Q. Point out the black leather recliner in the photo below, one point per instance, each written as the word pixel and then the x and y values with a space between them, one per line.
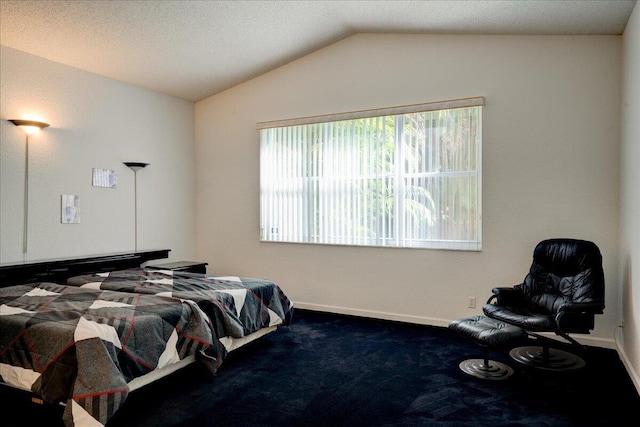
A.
pixel 562 293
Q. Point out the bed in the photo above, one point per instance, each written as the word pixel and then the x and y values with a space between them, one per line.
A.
pixel 83 347
pixel 234 310
pixel 239 307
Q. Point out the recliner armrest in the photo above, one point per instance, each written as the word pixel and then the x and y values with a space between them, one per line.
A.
pixel 577 317
pixel 582 307
pixel 506 296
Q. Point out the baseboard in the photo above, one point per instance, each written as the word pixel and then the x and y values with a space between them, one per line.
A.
pixel 431 321
pixel 635 378
pixel 421 320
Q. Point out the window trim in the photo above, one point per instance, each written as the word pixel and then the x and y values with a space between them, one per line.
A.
pixel 478 101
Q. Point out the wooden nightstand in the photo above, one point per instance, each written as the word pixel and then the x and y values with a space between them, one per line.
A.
pixel 187 266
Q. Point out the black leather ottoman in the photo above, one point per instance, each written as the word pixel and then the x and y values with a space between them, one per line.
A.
pixel 487 333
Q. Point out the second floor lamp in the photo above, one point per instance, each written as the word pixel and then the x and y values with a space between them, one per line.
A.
pixel 135 167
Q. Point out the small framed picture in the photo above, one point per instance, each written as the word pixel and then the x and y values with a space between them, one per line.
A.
pixel 70 209
pixel 104 178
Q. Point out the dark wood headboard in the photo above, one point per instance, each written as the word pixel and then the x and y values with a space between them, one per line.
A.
pixel 59 270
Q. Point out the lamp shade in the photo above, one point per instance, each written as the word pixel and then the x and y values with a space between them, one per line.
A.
pixel 29 126
pixel 136 166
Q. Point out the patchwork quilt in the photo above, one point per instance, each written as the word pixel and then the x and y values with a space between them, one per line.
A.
pixel 236 306
pixel 82 346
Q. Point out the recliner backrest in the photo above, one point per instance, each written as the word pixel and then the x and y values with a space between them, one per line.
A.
pixel 564 271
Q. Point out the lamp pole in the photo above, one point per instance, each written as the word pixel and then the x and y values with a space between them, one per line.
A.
pixel 29 127
pixel 135 167
pixel 26 197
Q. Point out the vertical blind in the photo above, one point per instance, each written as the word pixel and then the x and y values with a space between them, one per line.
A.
pixel 397 177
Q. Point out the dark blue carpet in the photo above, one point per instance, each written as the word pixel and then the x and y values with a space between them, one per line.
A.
pixel 332 370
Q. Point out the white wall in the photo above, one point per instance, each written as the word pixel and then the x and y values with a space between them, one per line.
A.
pixel 630 197
pixel 550 161
pixel 95 122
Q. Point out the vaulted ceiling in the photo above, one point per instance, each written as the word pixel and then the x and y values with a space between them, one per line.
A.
pixel 195 49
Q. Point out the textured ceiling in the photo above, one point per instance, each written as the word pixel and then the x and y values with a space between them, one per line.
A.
pixel 195 49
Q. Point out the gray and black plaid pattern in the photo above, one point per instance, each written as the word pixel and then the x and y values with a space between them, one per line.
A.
pixel 82 345
pixel 236 308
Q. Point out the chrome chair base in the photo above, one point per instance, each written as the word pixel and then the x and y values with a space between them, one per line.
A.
pixel 546 358
pixel 486 369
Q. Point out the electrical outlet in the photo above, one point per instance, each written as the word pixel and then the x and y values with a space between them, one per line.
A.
pixel 472 302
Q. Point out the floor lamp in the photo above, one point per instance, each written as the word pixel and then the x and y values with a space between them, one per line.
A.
pixel 29 127
pixel 135 167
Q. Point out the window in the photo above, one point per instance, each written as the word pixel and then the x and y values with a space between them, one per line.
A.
pixel 398 177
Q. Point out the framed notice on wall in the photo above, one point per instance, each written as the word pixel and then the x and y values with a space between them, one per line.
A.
pixel 104 178
pixel 70 209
